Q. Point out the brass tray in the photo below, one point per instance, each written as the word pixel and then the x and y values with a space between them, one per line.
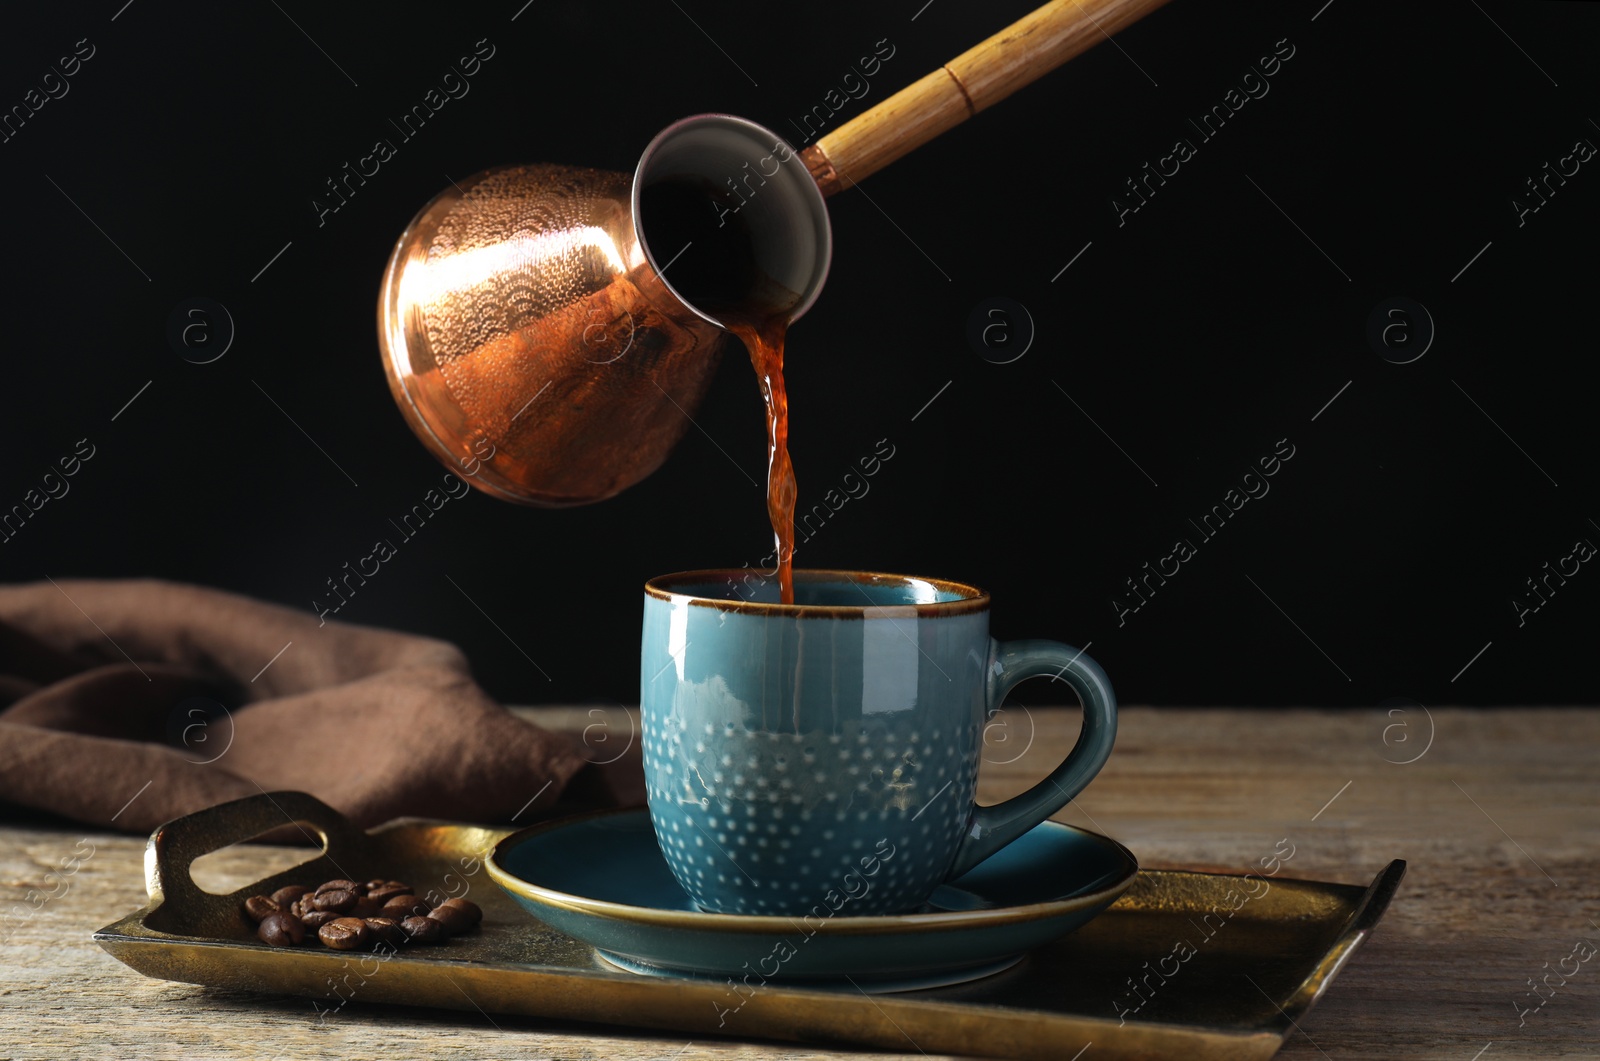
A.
pixel 1247 977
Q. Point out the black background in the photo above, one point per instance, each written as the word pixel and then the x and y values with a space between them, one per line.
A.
pixel 1196 335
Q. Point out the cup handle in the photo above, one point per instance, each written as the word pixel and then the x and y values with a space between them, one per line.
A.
pixel 991 828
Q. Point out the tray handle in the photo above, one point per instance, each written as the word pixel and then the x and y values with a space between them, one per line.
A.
pixel 1363 919
pixel 175 846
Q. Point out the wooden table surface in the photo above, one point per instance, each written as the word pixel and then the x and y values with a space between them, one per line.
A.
pixel 1498 816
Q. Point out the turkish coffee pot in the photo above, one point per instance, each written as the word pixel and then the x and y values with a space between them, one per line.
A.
pixel 531 331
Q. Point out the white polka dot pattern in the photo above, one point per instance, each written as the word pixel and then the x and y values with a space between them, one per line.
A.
pixel 761 822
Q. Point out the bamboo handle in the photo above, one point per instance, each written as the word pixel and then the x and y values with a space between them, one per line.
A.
pixel 977 78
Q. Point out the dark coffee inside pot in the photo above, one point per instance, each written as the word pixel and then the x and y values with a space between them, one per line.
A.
pixel 708 257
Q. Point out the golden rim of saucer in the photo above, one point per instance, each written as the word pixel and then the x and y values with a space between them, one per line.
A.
pixel 833 924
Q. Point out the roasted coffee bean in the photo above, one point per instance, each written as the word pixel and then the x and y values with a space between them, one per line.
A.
pixel 386 930
pixel 384 890
pixel 366 906
pixel 336 899
pixel 454 921
pixel 341 886
pixel 462 911
pixel 257 907
pixel 281 929
pixel 345 933
pixel 315 919
pixel 287 894
pixel 403 906
pixel 423 929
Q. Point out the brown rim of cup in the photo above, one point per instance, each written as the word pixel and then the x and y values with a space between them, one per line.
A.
pixel 969 598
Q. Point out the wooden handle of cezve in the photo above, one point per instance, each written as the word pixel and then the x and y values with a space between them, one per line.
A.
pixel 978 78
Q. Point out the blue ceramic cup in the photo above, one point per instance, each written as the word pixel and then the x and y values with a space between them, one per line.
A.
pixel 822 757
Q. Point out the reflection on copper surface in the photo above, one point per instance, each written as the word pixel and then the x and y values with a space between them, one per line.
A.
pixel 463 272
pixel 530 344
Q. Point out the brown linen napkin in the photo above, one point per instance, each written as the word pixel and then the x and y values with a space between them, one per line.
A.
pixel 109 714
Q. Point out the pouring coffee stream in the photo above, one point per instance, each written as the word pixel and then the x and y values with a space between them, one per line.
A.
pixel 716 271
pixel 548 331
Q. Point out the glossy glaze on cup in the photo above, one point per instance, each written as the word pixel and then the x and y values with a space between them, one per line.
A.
pixel 822 756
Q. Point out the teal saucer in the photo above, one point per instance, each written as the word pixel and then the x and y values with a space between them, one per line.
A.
pixel 601 879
